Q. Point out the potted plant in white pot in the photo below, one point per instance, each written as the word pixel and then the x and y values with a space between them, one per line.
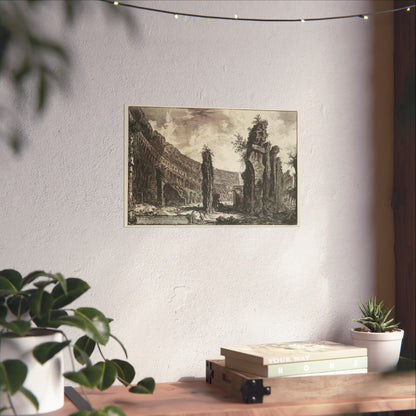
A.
pixel 380 335
pixel 34 310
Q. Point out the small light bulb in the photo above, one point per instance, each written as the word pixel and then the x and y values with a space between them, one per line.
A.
pixel 115 3
pixel 236 16
pixel 365 17
pixel 408 9
pixel 302 20
pixel 176 16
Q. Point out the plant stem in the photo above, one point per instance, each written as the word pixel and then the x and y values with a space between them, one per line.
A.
pixel 73 369
pixel 11 404
pixel 19 310
pixel 101 353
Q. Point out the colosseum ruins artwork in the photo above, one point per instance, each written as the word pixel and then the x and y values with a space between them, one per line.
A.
pixel 210 166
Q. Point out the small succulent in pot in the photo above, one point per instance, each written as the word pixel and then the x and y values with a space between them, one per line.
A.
pixel 381 335
pixel 375 317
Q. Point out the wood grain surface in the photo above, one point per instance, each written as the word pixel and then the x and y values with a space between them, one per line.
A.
pixel 300 396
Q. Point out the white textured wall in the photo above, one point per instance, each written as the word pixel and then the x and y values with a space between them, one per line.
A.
pixel 178 294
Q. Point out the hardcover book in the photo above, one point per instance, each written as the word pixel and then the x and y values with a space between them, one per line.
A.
pixel 315 367
pixel 292 352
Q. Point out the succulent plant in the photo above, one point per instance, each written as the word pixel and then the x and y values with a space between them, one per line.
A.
pixel 375 318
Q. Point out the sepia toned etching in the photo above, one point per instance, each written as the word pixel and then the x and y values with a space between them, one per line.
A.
pixel 210 166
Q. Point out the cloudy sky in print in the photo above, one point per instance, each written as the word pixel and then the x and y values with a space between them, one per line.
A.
pixel 189 129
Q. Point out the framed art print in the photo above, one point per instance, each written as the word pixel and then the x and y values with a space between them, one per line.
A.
pixel 210 166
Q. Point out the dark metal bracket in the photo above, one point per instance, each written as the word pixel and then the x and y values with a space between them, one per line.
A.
pixel 209 372
pixel 253 391
pixel 77 399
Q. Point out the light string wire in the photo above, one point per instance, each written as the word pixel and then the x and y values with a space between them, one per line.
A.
pixel 249 19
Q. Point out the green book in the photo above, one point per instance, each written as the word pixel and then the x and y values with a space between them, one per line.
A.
pixel 338 365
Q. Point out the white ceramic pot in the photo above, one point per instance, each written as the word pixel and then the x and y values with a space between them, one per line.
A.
pixel 383 348
pixel 44 381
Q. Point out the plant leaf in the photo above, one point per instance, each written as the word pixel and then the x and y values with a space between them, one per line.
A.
pixel 88 376
pixel 75 288
pixel 18 305
pixel 110 411
pixel 389 312
pixel 6 287
pixel 83 413
pixel 13 276
pixel 19 327
pixel 83 349
pixel 44 283
pixel 62 281
pixel 30 396
pixel 33 276
pixel 75 321
pixel 82 356
pixel 40 304
pixel 105 411
pixel 108 374
pixel 98 328
pixel 12 375
pixel 375 318
pixel 45 351
pixel 125 371
pixel 94 326
pixel 55 277
pixel 3 312
pixel 55 316
pixel 145 386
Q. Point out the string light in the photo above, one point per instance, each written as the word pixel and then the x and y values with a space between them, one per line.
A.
pixel 249 19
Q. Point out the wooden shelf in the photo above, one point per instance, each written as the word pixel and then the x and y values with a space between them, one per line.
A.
pixel 198 398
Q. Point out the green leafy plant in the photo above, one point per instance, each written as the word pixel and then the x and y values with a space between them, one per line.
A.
pixel 41 300
pixel 375 317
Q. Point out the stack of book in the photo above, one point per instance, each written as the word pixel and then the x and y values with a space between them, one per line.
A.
pixel 296 359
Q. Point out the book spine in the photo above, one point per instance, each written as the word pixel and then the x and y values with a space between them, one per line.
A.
pixel 309 367
pixel 314 356
pixel 313 367
pixel 333 373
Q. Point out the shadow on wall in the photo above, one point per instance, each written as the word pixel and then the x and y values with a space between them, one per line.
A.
pixel 42 63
